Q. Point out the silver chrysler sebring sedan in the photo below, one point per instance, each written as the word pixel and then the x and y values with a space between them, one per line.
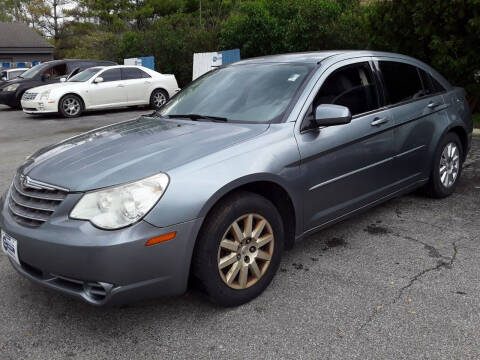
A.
pixel 238 166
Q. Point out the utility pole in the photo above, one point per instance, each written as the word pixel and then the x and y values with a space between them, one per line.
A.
pixel 200 13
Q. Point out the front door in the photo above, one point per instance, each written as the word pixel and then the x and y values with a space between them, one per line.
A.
pixel 111 92
pixel 346 166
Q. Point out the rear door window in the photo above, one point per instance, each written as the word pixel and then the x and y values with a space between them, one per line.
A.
pixel 352 86
pixel 402 81
pixel 144 74
pixel 131 73
pixel 430 85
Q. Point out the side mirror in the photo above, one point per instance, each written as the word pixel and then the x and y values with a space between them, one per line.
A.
pixel 63 79
pixel 4 78
pixel 330 115
pixel 98 79
pixel 46 77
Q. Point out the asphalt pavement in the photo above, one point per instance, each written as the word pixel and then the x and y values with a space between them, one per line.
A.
pixel 400 281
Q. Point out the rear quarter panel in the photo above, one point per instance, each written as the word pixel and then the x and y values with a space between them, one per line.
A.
pixel 459 112
pixel 166 82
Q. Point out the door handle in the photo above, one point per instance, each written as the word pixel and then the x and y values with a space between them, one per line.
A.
pixel 433 105
pixel 120 85
pixel 379 121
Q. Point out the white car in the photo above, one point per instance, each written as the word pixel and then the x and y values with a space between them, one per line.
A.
pixel 9 74
pixel 101 87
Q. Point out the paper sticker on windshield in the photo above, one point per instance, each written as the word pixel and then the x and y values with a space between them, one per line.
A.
pixel 293 77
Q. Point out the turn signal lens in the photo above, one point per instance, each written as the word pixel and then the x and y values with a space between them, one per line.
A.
pixel 161 238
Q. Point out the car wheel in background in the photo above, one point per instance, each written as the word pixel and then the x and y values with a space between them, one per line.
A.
pixel 158 98
pixel 447 167
pixel 18 103
pixel 70 106
pixel 239 248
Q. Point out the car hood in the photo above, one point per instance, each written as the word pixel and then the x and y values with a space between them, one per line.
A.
pixel 4 83
pixel 16 81
pixel 131 150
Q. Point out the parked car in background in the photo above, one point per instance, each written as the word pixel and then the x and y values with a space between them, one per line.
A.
pixel 101 88
pixel 242 163
pixel 42 74
pixel 9 74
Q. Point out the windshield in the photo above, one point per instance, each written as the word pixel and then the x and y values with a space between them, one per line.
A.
pixel 34 71
pixel 246 93
pixel 85 75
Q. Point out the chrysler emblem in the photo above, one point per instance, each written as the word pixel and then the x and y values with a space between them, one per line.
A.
pixel 23 180
pixel 27 182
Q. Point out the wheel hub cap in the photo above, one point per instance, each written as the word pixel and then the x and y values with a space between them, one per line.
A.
pixel 159 99
pixel 245 251
pixel 449 164
pixel 71 106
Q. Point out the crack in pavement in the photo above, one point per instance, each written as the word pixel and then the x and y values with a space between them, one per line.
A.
pixel 439 265
pixel 416 277
pixel 432 250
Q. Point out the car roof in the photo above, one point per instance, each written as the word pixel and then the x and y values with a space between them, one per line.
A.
pixel 317 57
pixel 78 60
pixel 16 69
pixel 126 66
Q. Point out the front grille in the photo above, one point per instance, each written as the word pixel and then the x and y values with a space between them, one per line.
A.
pixel 31 203
pixel 29 96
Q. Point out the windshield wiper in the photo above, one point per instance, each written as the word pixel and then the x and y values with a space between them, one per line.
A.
pixel 196 117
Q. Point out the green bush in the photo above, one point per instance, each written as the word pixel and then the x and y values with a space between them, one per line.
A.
pixel 476 120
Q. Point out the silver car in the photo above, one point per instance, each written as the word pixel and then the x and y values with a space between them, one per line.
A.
pixel 238 166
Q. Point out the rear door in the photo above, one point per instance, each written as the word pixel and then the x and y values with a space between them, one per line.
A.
pixel 109 93
pixel 347 166
pixel 137 84
pixel 418 109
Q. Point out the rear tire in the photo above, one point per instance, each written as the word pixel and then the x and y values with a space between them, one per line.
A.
pixel 447 167
pixel 70 106
pixel 158 98
pixel 232 263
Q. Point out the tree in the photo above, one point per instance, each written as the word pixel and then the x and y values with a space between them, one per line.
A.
pixel 48 16
pixel 13 11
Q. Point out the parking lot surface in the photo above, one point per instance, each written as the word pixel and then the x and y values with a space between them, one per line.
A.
pixel 400 281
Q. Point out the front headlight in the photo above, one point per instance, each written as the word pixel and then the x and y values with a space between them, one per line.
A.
pixel 45 95
pixel 12 87
pixel 122 205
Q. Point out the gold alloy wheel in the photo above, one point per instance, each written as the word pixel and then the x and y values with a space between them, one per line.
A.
pixel 245 251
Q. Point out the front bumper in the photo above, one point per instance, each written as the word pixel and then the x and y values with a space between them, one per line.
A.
pixel 98 266
pixel 39 106
pixel 8 98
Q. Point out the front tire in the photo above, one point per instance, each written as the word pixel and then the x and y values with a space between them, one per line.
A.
pixel 239 249
pixel 70 106
pixel 447 167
